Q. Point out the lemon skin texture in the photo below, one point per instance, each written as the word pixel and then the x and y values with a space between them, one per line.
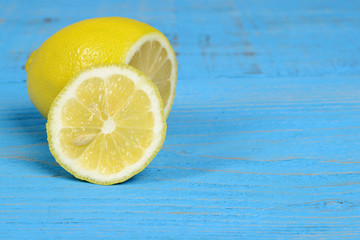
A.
pixel 83 44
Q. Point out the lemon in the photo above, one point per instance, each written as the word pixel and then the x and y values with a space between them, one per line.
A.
pixel 106 124
pixel 108 40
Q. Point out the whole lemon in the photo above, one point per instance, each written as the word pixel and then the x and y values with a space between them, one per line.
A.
pixel 108 40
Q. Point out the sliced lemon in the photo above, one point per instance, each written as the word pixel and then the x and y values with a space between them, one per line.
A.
pixel 107 124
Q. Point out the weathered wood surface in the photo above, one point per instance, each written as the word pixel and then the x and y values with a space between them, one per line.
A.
pixel 262 143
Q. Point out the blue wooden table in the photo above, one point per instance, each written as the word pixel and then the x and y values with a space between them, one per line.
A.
pixel 263 141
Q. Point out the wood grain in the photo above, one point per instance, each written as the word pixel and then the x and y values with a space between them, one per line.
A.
pixel 262 142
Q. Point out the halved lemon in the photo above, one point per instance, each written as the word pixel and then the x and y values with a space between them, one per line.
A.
pixel 98 41
pixel 107 124
pixel 153 55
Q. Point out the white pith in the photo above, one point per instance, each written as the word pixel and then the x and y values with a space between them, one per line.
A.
pixel 109 126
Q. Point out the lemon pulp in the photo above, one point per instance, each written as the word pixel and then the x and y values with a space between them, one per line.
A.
pixel 153 59
pixel 107 124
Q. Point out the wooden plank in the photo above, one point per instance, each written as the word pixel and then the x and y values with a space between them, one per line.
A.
pixel 262 141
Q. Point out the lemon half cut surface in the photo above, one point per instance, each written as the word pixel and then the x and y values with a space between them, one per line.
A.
pixel 107 124
pixel 98 41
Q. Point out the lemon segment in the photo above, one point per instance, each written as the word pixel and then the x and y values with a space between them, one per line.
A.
pixel 107 124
